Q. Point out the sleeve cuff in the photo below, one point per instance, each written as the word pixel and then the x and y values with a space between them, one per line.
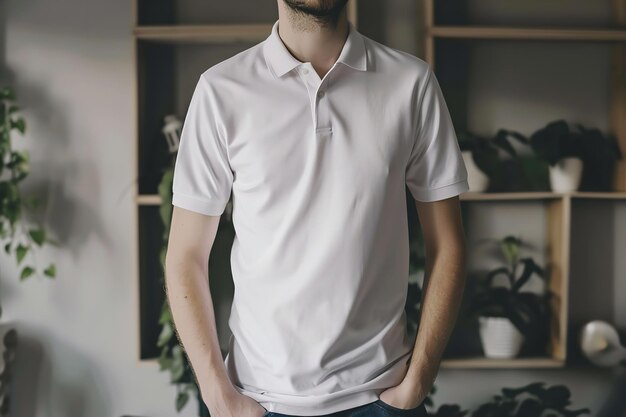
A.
pixel 439 193
pixel 199 205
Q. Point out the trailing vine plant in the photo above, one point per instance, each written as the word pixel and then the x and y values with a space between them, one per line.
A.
pixel 18 237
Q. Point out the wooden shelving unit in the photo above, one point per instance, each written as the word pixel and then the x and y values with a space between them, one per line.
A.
pixel 160 39
pixel 558 206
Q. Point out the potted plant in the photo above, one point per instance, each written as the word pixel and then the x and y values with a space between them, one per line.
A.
pixel 532 400
pixel 555 144
pixel 578 159
pixel 479 156
pixel 506 314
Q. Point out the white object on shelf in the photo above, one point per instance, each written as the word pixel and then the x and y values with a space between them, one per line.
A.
pixel 477 179
pixel 566 174
pixel 499 336
pixel 172 130
pixel 600 342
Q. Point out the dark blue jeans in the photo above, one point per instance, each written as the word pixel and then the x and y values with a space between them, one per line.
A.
pixel 373 409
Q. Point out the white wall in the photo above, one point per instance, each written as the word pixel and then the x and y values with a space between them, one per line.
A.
pixel 71 64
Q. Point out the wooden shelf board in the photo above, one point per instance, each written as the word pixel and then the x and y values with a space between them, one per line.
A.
pixel 617 195
pixel 148 200
pixel 155 199
pixel 482 362
pixel 521 33
pixel 530 195
pixel 540 195
pixel 227 33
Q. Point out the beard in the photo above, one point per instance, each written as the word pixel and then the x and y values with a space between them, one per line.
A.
pixel 323 12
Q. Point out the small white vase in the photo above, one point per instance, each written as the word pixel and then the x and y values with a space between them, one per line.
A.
pixel 566 174
pixel 499 336
pixel 476 179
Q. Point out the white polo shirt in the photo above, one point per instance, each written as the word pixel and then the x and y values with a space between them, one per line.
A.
pixel 317 168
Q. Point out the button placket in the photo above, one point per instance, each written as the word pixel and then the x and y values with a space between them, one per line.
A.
pixel 316 89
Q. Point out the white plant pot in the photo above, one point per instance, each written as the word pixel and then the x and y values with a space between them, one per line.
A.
pixel 477 179
pixel 499 337
pixel 566 174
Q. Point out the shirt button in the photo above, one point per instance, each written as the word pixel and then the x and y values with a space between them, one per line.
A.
pixel 321 94
pixel 305 71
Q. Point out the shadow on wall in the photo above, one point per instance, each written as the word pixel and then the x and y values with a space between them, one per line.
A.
pixel 73 390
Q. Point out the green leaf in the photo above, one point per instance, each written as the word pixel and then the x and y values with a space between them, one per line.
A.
pixel 178 363
pixel 7 93
pixel 7 247
pixel 21 252
pixel 166 334
pixel 50 271
pixel 26 272
pixel 38 235
pixel 19 124
pixel 181 400
pixel 166 314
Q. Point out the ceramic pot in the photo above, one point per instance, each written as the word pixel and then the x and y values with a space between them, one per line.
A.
pixel 566 174
pixel 499 337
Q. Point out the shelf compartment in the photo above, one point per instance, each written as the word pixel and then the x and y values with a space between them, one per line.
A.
pixel 582 13
pixel 547 219
pixel 169 12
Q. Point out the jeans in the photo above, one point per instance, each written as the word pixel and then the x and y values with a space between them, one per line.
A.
pixel 373 409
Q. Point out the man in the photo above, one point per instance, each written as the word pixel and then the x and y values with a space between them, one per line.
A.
pixel 317 131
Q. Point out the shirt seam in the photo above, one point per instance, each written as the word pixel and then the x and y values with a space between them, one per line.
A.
pixel 456 181
pixel 200 199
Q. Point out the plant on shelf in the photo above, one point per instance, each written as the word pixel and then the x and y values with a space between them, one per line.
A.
pixel 497 158
pixel 532 400
pixel 19 238
pixel 480 157
pixel 506 314
pixel 578 159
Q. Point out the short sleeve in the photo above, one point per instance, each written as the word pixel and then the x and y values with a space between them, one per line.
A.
pixel 203 177
pixel 435 169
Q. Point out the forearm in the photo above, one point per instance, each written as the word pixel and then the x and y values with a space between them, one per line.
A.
pixel 191 304
pixel 443 289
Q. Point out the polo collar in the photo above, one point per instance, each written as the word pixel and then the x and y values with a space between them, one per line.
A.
pixel 282 61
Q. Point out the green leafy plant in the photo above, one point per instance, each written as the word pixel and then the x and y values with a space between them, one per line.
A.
pixel 599 152
pixel 526 310
pixel 19 238
pixel 484 150
pixel 507 169
pixel 532 400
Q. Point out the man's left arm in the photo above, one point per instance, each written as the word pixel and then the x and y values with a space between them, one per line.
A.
pixel 443 287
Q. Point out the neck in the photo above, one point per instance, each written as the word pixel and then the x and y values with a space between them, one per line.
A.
pixel 308 40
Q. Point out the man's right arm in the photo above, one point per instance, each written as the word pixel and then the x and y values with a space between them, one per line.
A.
pixel 186 277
